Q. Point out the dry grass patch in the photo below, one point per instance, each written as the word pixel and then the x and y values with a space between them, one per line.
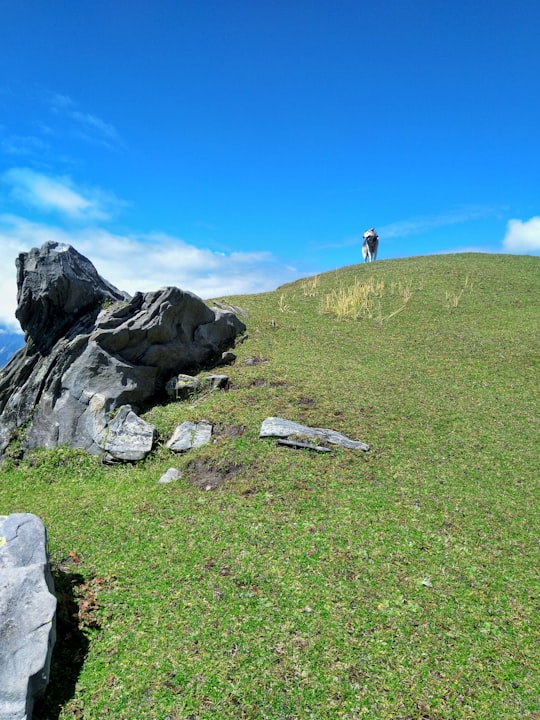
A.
pixel 366 300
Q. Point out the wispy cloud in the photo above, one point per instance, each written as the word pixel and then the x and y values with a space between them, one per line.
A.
pixel 141 262
pixel 23 145
pixel 58 194
pixel 84 125
pixel 420 224
pixel 522 236
pixel 55 119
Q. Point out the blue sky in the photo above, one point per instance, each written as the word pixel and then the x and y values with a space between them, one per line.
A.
pixel 228 147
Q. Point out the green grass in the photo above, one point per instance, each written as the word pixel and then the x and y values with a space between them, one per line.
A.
pixel 402 583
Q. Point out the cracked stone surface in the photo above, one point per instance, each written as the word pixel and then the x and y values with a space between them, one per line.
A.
pixel 27 614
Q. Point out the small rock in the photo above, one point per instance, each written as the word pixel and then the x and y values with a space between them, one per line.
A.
pixel 227 358
pixel 215 381
pixel 190 435
pixel 250 361
pixel 171 475
pixel 182 386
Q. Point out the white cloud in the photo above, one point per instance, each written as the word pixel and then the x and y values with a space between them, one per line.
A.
pixel 522 236
pixel 140 262
pixel 57 194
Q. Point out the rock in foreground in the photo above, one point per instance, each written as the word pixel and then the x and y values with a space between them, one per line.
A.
pixel 90 349
pixel 27 615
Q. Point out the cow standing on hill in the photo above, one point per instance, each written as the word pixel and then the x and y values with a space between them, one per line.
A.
pixel 370 245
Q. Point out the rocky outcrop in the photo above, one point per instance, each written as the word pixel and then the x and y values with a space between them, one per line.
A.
pixel 27 614
pixel 90 349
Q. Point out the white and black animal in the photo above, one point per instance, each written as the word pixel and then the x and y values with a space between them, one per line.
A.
pixel 370 245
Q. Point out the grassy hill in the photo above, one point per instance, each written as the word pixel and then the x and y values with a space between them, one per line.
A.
pixel 399 583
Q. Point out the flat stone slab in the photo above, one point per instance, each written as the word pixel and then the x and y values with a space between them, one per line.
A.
pixel 27 614
pixel 127 437
pixel 190 435
pixel 281 428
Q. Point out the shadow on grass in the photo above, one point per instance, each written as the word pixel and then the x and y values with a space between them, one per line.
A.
pixel 70 649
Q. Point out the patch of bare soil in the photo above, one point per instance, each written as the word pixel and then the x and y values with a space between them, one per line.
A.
pixel 260 382
pixel 257 382
pixel 255 360
pixel 206 476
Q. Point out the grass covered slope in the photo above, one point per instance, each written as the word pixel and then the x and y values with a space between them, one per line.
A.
pixel 401 583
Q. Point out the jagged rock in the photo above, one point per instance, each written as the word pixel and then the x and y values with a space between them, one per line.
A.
pixel 278 427
pixel 27 614
pixel 170 475
pixel 190 435
pixel 56 286
pixel 91 349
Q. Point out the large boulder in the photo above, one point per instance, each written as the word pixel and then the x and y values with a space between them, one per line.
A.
pixel 91 349
pixel 27 614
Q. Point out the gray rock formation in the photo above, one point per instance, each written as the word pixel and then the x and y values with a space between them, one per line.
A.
pixel 91 349
pixel 27 614
pixel 281 428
